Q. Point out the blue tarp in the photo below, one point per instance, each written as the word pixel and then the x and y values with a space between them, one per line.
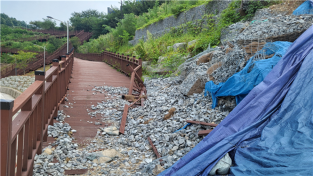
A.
pixel 241 83
pixel 269 133
pixel 304 8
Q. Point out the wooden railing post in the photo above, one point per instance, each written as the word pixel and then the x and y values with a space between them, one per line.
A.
pixel 40 76
pixel 139 72
pixel 6 135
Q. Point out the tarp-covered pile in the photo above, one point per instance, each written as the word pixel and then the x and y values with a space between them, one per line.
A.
pixel 304 8
pixel 270 132
pixel 241 83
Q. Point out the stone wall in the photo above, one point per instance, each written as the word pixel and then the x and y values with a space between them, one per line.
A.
pixel 7 90
pixel 161 27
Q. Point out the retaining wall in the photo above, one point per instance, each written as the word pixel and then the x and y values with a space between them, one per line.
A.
pixel 7 90
pixel 163 26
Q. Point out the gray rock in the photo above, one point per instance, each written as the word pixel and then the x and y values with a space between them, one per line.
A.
pixel 179 46
pixel 194 83
pixel 191 43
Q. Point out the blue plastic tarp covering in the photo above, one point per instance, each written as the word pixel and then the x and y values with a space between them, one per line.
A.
pixel 304 8
pixel 263 112
pixel 241 83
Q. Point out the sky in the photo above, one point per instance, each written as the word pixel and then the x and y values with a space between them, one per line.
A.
pixel 37 10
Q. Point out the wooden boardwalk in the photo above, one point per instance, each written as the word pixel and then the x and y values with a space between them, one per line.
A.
pixel 86 75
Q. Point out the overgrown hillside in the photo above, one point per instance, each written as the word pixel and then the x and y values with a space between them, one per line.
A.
pixel 155 48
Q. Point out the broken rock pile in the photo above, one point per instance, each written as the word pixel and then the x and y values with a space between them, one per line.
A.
pixel 137 156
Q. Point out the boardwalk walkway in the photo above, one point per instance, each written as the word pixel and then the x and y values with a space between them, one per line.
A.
pixel 86 75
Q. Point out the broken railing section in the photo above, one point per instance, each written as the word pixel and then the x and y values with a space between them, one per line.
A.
pixel 22 138
pixel 136 88
pixel 203 132
pixel 155 150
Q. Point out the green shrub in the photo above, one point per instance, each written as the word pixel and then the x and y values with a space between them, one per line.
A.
pixel 75 42
pixel 140 50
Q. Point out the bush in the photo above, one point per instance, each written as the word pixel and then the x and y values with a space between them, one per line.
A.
pixel 75 42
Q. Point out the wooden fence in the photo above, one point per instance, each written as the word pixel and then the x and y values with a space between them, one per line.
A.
pixel 22 138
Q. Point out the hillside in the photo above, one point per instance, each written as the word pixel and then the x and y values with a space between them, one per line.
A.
pixel 226 85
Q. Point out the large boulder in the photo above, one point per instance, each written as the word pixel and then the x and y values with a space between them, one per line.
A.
pixel 160 59
pixel 191 43
pixel 106 156
pixel 205 58
pixel 145 64
pixel 159 69
pixel 194 83
pixel 213 68
pixel 112 130
pixel 179 46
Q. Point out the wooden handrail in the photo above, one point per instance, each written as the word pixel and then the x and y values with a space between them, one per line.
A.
pixel 38 104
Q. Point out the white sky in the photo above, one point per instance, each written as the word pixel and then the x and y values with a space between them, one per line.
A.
pixel 36 10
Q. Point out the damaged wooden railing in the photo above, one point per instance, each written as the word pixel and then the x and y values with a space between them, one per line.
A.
pixel 23 136
pixel 136 88
pixel 128 65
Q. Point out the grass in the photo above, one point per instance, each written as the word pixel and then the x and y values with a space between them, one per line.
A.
pixel 32 73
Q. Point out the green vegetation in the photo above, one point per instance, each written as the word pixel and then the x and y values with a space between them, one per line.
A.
pixel 7 58
pixel 23 58
pixel 12 38
pixel 75 42
pixel 205 31
pixel 48 24
pixel 54 43
pixel 51 45
pixel 9 33
pixel 94 21
pixel 169 8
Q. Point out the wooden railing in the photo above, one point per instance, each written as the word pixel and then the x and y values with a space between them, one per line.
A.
pixel 54 32
pixel 122 63
pixel 22 138
pixel 42 38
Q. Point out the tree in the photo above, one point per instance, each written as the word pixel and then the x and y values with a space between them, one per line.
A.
pixel 63 27
pixel 45 24
pixel 23 58
pixel 85 19
pixel 9 21
pixel 48 24
pixel 96 22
